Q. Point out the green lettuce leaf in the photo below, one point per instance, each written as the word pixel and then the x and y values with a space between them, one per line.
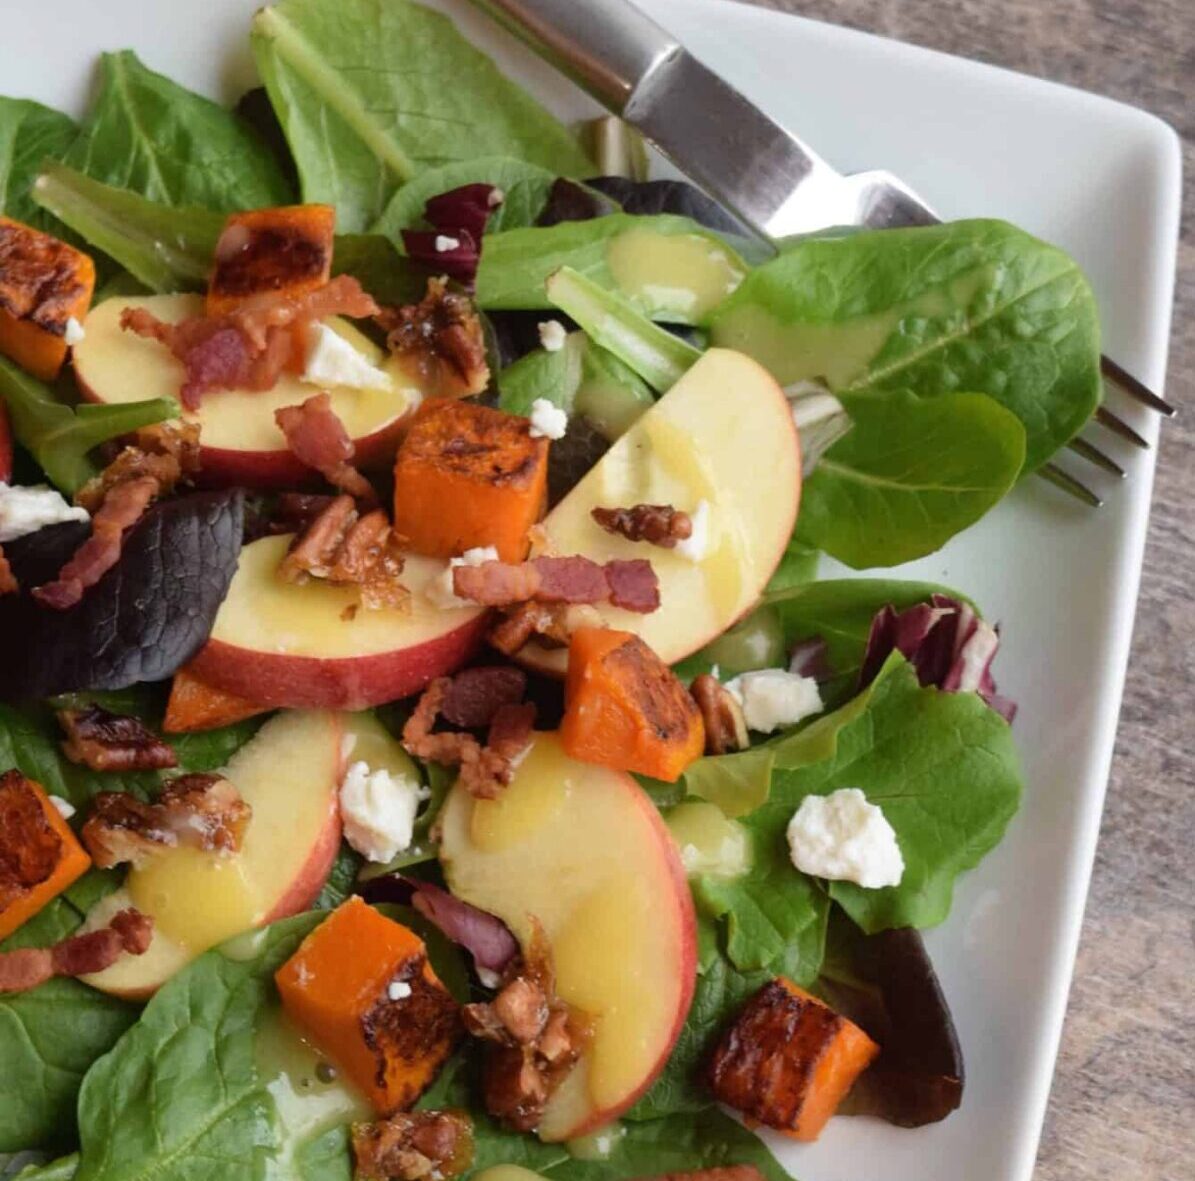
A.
pixel 29 133
pixel 371 92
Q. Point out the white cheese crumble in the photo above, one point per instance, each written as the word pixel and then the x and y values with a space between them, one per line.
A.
pixel 552 335
pixel 332 361
pixel 444 243
pixel 64 808
pixel 378 810
pixel 548 421
pixel 488 977
pixel 495 198
pixel 26 509
pixel 74 331
pixel 398 990
pixel 844 838
pixel 439 590
pixel 774 698
pixel 697 544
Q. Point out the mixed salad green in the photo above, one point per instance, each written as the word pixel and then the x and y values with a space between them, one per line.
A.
pixel 958 359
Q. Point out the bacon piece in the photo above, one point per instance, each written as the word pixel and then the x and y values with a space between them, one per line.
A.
pixel 8 580
pixel 725 726
pixel 413 1146
pixel 575 579
pixel 105 741
pixel 440 340
pixel 250 347
pixel 123 507
pixel 129 931
pixel 317 438
pixel 345 549
pixel 657 524
pixel 476 694
pixel 200 811
pixel 167 452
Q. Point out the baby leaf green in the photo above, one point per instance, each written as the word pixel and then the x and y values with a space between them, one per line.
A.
pixel 29 133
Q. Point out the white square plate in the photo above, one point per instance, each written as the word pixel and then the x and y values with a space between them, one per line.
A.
pixel 1098 178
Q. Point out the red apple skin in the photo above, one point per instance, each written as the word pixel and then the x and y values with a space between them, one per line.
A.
pixel 361 682
pixel 305 889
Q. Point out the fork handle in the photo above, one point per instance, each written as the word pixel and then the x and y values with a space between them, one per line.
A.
pixel 608 47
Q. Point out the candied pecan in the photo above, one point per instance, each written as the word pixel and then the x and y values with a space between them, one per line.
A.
pixel 547 621
pixel 201 811
pixel 413 1146
pixel 8 580
pixel 657 524
pixel 346 549
pixel 725 726
pixel 441 340
pixel 167 452
pixel 105 741
pixel 30 849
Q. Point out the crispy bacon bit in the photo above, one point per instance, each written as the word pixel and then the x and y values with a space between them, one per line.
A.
pixel 104 741
pixel 631 585
pixel 485 770
pixel 346 549
pixel 476 694
pixel 167 452
pixel 440 340
pixel 725 726
pixel 29 848
pixel 414 1146
pixel 317 438
pixel 250 347
pixel 128 931
pixel 657 524
pixel 200 811
pixel 8 580
pixel 534 1038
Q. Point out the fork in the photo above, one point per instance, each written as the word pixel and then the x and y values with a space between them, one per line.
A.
pixel 772 181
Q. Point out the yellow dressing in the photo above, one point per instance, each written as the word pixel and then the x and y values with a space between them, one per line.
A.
pixel 709 842
pixel 687 274
pixel 516 817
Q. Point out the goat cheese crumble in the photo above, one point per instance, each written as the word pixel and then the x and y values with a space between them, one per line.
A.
pixel 332 361
pixel 445 243
pixel 845 838
pixel 26 509
pixel 64 808
pixel 398 990
pixel 774 698
pixel 697 544
pixel 439 590
pixel 378 810
pixel 552 335
pixel 547 420
pixel 74 331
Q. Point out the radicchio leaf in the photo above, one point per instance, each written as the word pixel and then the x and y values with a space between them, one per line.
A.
pixel 458 216
pixel 947 644
pixel 483 935
pixel 810 658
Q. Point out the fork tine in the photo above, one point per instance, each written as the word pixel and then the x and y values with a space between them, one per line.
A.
pixel 1118 426
pixel 1094 455
pixel 1125 381
pixel 1068 483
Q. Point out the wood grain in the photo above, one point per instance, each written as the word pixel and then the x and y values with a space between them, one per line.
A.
pixel 1123 1100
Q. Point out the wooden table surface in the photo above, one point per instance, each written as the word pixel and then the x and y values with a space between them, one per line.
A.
pixel 1122 1106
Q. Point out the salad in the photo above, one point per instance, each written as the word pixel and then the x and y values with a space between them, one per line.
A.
pixel 427 747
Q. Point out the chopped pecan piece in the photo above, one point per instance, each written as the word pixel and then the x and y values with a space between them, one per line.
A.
pixel 520 623
pixel 167 452
pixel 657 524
pixel 29 848
pixel 201 811
pixel 440 340
pixel 128 932
pixel 318 439
pixel 533 1039
pixel 8 580
pixel 414 1146
pixel 105 741
pixel 347 549
pixel 725 726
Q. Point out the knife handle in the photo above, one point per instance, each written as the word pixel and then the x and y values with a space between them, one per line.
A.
pixel 608 47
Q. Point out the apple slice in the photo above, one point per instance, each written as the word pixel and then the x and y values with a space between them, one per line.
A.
pixel 289 773
pixel 584 850
pixel 240 441
pixel 723 435
pixel 309 646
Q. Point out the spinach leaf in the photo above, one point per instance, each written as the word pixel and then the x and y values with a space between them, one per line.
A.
pixel 60 437
pixel 29 133
pixel 797 567
pixel 370 92
pixel 341 879
pixel 736 783
pixel 972 305
pixel 62 1169
pixel 150 135
pixel 687 272
pixel 910 474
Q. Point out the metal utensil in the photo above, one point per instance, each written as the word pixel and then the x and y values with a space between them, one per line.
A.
pixel 775 183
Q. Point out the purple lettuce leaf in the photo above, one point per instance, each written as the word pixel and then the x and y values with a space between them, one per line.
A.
pixel 460 216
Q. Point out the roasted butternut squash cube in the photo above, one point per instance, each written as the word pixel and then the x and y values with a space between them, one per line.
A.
pixel 44 284
pixel 360 984
pixel 196 705
pixel 286 250
pixel 789 1060
pixel 39 854
pixel 625 708
pixel 468 476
